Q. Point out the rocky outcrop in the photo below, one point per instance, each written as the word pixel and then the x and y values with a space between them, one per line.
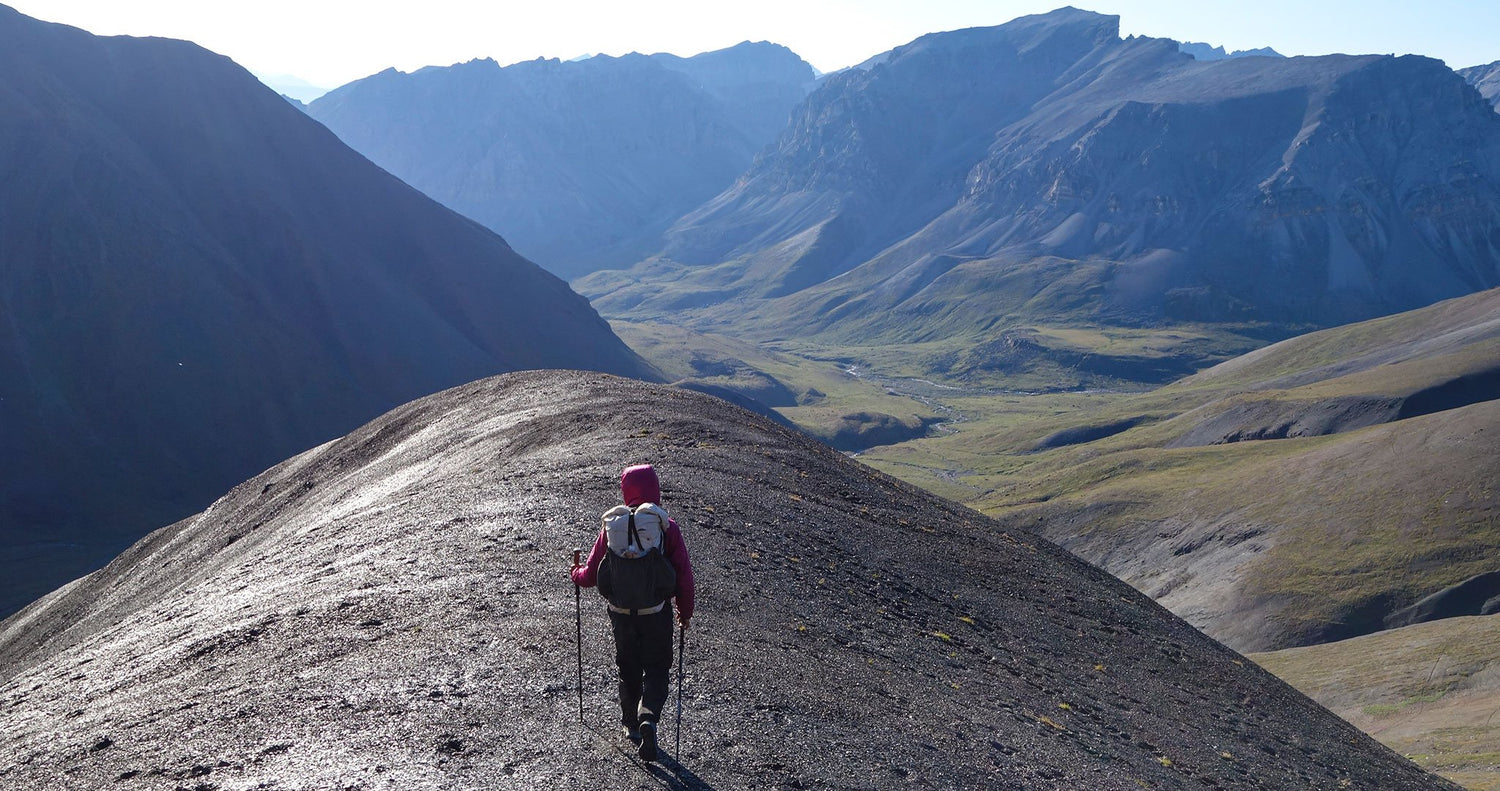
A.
pixel 200 281
pixel 863 430
pixel 1486 79
pixel 1245 420
pixel 392 609
pixel 579 164
pixel 1477 595
pixel 1202 51
pixel 1078 435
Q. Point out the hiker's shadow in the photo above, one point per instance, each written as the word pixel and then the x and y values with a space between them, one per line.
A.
pixel 665 770
pixel 675 775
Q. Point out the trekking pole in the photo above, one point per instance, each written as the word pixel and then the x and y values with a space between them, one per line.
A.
pixel 677 732
pixel 578 611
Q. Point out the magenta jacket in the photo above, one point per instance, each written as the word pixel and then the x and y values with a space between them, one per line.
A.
pixel 638 485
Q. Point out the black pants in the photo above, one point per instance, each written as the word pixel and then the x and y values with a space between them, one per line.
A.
pixel 643 652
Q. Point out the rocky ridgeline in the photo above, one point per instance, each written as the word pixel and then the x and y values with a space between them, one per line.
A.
pixel 391 610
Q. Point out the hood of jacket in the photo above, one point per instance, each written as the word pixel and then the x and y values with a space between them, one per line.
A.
pixel 639 484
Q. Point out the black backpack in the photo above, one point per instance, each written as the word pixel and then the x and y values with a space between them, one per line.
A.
pixel 635 574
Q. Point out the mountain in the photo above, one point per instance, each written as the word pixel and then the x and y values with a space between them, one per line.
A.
pixel 1202 51
pixel 1325 487
pixel 292 87
pixel 1047 170
pixel 391 609
pixel 579 164
pixel 1485 78
pixel 757 83
pixel 198 281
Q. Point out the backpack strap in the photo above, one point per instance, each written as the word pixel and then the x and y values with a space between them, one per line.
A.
pixel 631 536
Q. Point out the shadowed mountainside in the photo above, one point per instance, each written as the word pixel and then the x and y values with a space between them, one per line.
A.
pixel 1047 170
pixel 392 609
pixel 1302 493
pixel 580 164
pixel 196 281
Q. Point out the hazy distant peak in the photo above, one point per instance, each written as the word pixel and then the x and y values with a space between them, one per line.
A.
pixel 746 55
pixel 1027 32
pixel 291 86
pixel 725 71
pixel 485 63
pixel 747 44
pixel 1023 34
pixel 1102 28
pixel 1202 51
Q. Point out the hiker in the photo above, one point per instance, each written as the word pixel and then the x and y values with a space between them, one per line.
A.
pixel 640 564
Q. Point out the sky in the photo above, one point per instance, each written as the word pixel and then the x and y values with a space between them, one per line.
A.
pixel 332 42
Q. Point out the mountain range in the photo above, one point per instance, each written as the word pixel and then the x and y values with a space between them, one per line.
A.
pixel 197 280
pixel 391 610
pixel 579 164
pixel 1049 171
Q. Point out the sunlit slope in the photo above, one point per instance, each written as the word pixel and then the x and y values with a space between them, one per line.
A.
pixel 1430 691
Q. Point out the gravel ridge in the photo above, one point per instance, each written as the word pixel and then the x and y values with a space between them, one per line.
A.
pixel 391 610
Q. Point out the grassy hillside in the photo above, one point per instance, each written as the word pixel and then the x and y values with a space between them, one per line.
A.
pixel 1376 489
pixel 1429 691
pixel 821 392
pixel 1379 491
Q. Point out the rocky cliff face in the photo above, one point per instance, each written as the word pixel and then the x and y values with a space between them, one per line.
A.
pixel 580 165
pixel 1486 78
pixel 198 280
pixel 392 610
pixel 958 179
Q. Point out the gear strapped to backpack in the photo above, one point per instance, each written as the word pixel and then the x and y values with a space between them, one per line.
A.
pixel 635 574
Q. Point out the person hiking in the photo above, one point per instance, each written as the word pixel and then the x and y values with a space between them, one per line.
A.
pixel 640 564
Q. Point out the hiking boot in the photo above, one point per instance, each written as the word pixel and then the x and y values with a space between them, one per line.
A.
pixel 648 741
pixel 631 732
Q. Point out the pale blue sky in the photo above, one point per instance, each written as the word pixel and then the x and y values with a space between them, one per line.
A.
pixel 330 42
